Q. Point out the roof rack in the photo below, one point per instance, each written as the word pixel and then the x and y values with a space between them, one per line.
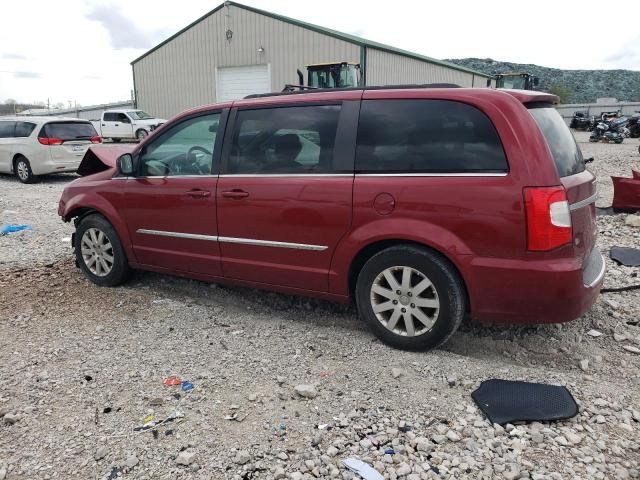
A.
pixel 306 90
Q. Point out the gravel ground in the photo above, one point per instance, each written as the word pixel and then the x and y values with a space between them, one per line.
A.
pixel 287 387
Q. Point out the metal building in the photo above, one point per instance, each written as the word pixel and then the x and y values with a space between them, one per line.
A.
pixel 236 50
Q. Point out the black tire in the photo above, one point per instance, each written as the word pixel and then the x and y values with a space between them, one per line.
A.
pixel 444 279
pixel 22 169
pixel 141 134
pixel 115 140
pixel 120 270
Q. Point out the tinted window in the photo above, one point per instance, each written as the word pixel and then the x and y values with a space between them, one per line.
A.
pixel 7 129
pixel 69 130
pixel 24 129
pixel 110 117
pixel 185 149
pixel 123 118
pixel 426 136
pixel 564 149
pixel 285 140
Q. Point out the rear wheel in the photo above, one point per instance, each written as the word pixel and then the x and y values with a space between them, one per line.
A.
pixel 411 298
pixel 22 169
pixel 99 252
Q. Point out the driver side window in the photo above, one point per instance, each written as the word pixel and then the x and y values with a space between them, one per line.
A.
pixel 186 149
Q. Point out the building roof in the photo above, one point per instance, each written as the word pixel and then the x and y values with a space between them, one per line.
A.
pixel 362 42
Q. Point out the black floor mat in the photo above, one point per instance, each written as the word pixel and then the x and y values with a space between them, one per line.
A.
pixel 629 257
pixel 505 401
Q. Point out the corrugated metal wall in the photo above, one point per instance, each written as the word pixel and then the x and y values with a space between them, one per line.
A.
pixel 385 68
pixel 181 74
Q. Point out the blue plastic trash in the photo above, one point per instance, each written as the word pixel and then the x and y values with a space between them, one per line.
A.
pixel 187 386
pixel 7 229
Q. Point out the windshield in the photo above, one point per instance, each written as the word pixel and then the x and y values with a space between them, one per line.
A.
pixel 332 77
pixel 563 146
pixel 69 130
pixel 139 115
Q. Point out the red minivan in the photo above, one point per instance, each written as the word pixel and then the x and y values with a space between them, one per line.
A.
pixel 420 204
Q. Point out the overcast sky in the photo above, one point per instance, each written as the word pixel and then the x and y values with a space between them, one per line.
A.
pixel 80 50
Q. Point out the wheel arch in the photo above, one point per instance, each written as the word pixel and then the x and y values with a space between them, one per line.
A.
pixel 15 158
pixel 368 251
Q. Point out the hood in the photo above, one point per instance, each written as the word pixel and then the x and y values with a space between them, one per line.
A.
pixel 101 158
pixel 150 121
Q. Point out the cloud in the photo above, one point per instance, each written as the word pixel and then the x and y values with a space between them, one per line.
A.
pixel 627 57
pixel 27 75
pixel 122 31
pixel 13 56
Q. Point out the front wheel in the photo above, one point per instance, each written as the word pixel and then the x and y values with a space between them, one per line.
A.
pixel 141 134
pixel 411 298
pixel 99 252
pixel 23 171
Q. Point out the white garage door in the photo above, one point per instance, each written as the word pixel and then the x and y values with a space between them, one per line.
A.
pixel 238 82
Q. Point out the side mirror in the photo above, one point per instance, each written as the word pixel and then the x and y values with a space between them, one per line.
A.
pixel 125 164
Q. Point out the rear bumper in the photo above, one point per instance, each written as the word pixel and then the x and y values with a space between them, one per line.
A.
pixel 534 292
pixel 43 168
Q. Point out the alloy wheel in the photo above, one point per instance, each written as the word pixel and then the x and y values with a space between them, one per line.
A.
pixel 97 252
pixel 405 301
pixel 23 170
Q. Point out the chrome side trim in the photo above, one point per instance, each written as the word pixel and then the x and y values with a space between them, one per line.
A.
pixel 461 174
pixel 584 203
pixel 192 236
pixel 269 243
pixel 165 176
pixel 241 241
pixel 284 175
pixel 600 273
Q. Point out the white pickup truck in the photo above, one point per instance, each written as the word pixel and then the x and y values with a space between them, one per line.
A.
pixel 126 124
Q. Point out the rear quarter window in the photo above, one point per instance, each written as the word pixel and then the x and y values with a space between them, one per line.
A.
pixel 566 153
pixel 426 136
pixel 24 129
pixel 7 129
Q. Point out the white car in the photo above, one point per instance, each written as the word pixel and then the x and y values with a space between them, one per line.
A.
pixel 32 146
pixel 126 124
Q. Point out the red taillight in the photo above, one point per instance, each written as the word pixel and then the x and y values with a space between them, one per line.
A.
pixel 50 141
pixel 96 139
pixel 548 218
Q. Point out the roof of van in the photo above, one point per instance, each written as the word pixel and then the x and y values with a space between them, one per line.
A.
pixel 42 119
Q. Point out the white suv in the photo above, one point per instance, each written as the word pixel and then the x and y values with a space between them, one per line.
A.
pixel 32 146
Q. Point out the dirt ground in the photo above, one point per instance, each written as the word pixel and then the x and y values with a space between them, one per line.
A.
pixel 82 367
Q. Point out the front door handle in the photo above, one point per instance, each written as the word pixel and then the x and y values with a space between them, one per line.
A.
pixel 236 194
pixel 199 193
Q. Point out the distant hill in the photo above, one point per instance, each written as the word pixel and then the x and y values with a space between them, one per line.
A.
pixel 583 86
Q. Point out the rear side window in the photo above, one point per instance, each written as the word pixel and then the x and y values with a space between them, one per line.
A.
pixel 24 129
pixel 7 129
pixel 284 140
pixel 563 146
pixel 426 136
pixel 111 117
pixel 69 130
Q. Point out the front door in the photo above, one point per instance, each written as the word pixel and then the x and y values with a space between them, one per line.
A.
pixel 171 204
pixel 284 201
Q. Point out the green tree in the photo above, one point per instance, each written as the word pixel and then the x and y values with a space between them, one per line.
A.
pixel 561 91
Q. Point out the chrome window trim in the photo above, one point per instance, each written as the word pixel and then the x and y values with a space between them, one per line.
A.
pixel 165 176
pixel 451 174
pixel 584 203
pixel 284 175
pixel 270 243
pixel 240 241
pixel 192 236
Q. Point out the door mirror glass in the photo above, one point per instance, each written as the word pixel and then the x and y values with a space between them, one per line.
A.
pixel 125 164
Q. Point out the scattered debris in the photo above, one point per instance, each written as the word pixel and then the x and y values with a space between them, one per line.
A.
pixel 171 381
pixel 397 372
pixel 280 432
pixel 365 470
pixel 7 229
pixel 306 391
pixel 101 452
pixel 151 424
pixel 626 196
pixel 131 461
pixel 242 457
pixel 584 365
pixel 187 386
pixel 628 348
pixel 633 220
pixel 12 418
pixel 115 473
pixel 186 458
pixel 594 333
pixel 629 257
pixel 504 401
